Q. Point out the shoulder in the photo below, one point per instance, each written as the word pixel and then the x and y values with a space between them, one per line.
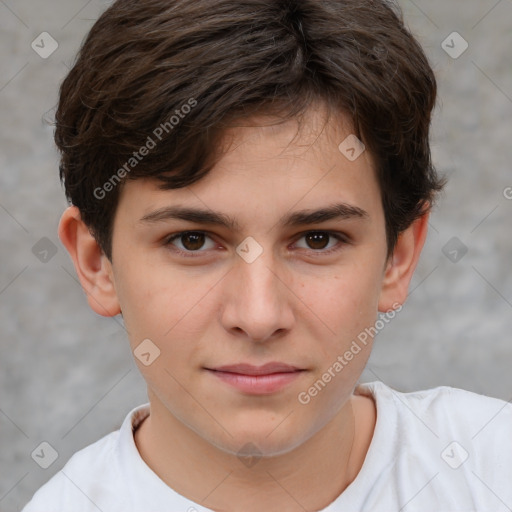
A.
pixel 66 485
pixel 475 425
pixel 90 476
pixel 457 441
pixel 437 449
pixel 443 406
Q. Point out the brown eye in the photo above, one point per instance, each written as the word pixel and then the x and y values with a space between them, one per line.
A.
pixel 191 241
pixel 317 241
pixel 323 242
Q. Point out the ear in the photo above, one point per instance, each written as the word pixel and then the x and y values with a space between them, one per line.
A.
pixel 92 266
pixel 402 263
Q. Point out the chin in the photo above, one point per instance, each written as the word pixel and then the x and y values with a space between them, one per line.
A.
pixel 261 440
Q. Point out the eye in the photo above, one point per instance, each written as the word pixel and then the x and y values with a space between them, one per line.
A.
pixel 318 241
pixel 191 241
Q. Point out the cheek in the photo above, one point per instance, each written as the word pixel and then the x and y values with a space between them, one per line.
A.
pixel 349 299
pixel 349 306
pixel 147 313
pixel 167 307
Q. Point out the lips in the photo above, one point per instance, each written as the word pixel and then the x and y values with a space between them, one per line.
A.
pixel 267 379
pixel 266 369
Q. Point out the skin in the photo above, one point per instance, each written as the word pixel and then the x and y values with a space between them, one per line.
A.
pixel 295 304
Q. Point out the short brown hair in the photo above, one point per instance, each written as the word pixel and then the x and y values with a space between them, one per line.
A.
pixel 192 67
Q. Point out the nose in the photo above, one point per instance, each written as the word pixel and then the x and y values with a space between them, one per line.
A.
pixel 258 303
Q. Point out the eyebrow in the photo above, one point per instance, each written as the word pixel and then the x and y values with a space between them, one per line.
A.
pixel 299 218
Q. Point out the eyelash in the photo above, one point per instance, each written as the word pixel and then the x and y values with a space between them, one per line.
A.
pixel 194 254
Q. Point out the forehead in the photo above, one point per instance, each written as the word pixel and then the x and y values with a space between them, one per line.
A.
pixel 317 131
pixel 268 168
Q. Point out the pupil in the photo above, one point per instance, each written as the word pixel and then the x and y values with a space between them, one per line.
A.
pixel 197 241
pixel 314 240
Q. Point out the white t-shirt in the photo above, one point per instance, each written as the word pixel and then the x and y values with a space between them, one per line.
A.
pixel 438 450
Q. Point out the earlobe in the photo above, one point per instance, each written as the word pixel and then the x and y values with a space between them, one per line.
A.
pixel 402 263
pixel 92 266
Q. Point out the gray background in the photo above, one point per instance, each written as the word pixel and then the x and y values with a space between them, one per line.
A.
pixel 66 374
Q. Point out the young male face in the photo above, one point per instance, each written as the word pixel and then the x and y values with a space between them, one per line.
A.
pixel 301 302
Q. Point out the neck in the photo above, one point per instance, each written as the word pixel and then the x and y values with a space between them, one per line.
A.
pixel 223 481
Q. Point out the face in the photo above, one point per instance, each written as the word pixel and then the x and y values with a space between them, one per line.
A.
pixel 278 286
